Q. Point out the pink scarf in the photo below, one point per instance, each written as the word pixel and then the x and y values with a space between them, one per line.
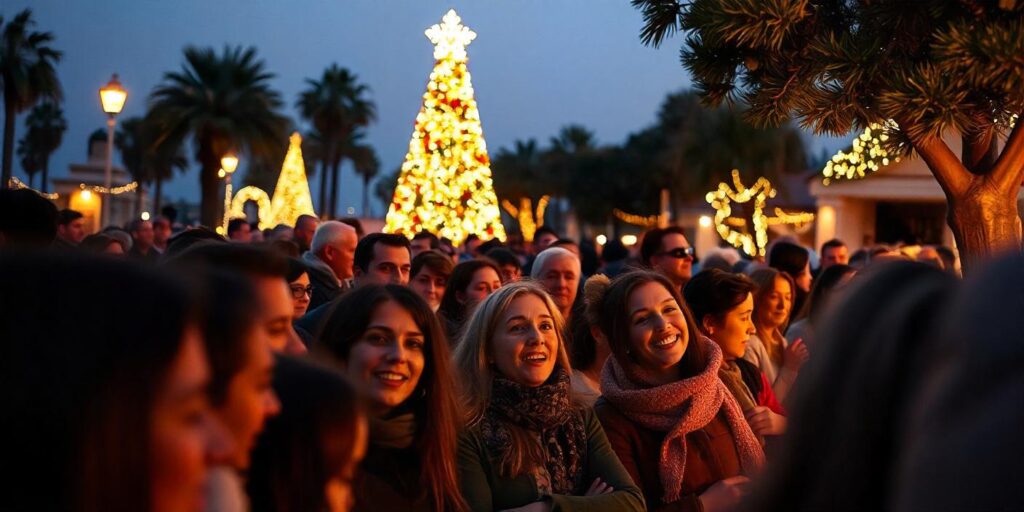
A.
pixel 680 408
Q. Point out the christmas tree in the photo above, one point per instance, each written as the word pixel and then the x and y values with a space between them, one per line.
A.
pixel 445 183
pixel 291 195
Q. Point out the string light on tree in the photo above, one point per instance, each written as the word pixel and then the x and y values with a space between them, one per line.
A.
pixel 735 230
pixel 867 154
pixel 291 195
pixel 445 182
pixel 528 220
pixel 644 221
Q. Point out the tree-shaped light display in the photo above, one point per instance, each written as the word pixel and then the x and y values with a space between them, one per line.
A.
pixel 445 183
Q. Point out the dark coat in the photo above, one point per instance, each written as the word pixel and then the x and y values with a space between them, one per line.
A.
pixel 389 479
pixel 711 456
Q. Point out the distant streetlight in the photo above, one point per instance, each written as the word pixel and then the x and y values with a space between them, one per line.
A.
pixel 228 164
pixel 112 98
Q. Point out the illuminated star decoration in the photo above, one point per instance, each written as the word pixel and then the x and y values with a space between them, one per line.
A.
pixel 450 38
pixel 735 230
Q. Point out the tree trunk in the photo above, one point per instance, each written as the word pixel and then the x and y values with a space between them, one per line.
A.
pixel 211 202
pixel 9 115
pixel 139 195
pixel 335 171
pixel 156 195
pixel 46 175
pixel 984 221
pixel 366 197
pixel 323 189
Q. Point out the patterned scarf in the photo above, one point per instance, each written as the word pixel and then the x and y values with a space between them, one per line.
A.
pixel 547 412
pixel 679 408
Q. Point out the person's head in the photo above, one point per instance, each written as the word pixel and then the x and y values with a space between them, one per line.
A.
pixel 189 237
pixel 383 258
pixel 424 241
pixel 666 250
pixel 281 232
pixel 305 228
pixel 470 244
pixel 793 260
pixel 298 284
pixel 834 252
pixel 558 271
pixel 722 304
pixel 170 213
pixel 508 264
pixel 161 232
pixel 334 243
pixel 71 225
pixel 266 270
pixel 241 363
pixel 239 230
pixel 103 244
pixel 516 333
pixel 142 234
pixel 825 286
pixel 567 244
pixel 649 329
pixel 256 235
pixel 470 283
pixel 108 410
pixel 27 219
pixel 120 235
pixel 429 276
pixel 390 345
pixel 542 238
pixel 307 456
pixel 848 415
pixel 773 300
pixel 613 251
pixel 356 225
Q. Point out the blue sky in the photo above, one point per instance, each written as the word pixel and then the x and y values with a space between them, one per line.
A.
pixel 536 65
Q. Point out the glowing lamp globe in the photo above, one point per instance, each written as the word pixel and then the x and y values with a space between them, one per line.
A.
pixel 113 96
pixel 229 163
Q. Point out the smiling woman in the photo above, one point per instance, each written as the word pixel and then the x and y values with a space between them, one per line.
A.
pixel 389 344
pixel 530 444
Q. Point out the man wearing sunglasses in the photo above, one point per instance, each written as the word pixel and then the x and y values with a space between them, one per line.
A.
pixel 666 251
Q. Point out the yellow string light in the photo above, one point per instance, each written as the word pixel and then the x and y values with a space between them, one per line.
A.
pixel 291 195
pixel 645 221
pixel 735 230
pixel 445 184
pixel 15 183
pixel 524 214
pixel 114 191
pixel 867 154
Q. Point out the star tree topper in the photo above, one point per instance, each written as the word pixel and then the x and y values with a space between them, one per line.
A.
pixel 450 37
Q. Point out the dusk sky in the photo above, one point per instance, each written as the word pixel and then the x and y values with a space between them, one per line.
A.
pixel 536 65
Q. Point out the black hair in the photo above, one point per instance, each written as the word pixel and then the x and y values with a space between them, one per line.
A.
pixel 366 245
pixel 817 300
pixel 295 269
pixel 354 222
pixel 236 224
pixel 98 242
pixel 544 230
pixel 308 443
pixel 434 241
pixel 186 239
pixel 489 245
pixel 715 292
pixel 833 243
pixel 87 346
pixel 651 243
pixel 67 216
pixel 503 256
pixel 26 219
pixel 249 260
pixel 614 250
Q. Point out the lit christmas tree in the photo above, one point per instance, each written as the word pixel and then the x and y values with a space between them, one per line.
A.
pixel 291 195
pixel 445 184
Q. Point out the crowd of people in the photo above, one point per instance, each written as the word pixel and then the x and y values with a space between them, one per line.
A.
pixel 316 367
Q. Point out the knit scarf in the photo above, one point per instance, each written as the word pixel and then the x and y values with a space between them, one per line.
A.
pixel 393 431
pixel 732 377
pixel 679 408
pixel 545 411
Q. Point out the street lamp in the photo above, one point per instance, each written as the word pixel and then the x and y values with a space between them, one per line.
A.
pixel 228 164
pixel 112 97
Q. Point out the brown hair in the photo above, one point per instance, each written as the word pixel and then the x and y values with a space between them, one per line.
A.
pixel 432 260
pixel 472 358
pixel 433 401
pixel 610 310
pixel 764 278
pixel 451 309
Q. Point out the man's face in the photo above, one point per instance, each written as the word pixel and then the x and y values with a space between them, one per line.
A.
pixel 471 245
pixel 390 265
pixel 161 233
pixel 671 261
pixel 144 234
pixel 835 256
pixel 73 231
pixel 250 399
pixel 419 245
pixel 340 255
pixel 561 278
pixel 304 233
pixel 242 234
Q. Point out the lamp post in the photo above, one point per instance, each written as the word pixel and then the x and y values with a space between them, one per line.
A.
pixel 228 164
pixel 112 97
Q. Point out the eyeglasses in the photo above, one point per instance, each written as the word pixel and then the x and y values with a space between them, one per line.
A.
pixel 679 253
pixel 298 291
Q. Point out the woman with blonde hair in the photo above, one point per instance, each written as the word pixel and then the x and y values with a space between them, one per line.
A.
pixel 768 349
pixel 529 445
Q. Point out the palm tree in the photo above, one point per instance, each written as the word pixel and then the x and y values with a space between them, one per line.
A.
pixel 365 161
pixel 335 105
pixel 561 159
pixel 46 127
pixel 31 162
pixel 384 188
pixel 27 73
pixel 225 102
pixel 146 161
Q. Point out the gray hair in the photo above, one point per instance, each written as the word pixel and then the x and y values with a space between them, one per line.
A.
pixel 550 254
pixel 328 233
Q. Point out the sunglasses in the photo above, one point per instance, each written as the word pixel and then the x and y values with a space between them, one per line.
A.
pixel 298 291
pixel 679 253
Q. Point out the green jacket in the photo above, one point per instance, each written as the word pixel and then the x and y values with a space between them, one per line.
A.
pixel 485 491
